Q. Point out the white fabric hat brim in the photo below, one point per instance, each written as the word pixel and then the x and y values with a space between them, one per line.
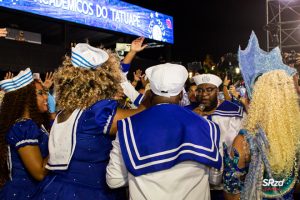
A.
pixel 207 78
pixel 167 79
pixel 86 56
pixel 23 79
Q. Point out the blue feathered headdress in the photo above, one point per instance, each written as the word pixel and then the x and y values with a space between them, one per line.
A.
pixel 254 62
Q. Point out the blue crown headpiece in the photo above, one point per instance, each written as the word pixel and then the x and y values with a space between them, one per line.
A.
pixel 254 62
pixel 86 56
pixel 21 80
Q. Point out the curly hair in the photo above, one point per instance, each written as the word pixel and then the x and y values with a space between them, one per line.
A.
pixel 275 108
pixel 1 96
pixel 12 108
pixel 77 87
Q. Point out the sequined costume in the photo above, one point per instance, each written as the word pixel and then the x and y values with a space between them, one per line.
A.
pixel 22 185
pixel 85 176
pixel 253 181
pixel 257 180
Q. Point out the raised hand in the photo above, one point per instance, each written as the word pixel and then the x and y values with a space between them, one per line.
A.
pixel 137 45
pixel 226 81
pixel 233 91
pixel 8 75
pixel 48 80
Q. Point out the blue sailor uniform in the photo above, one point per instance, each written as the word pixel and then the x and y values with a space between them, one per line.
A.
pixel 165 135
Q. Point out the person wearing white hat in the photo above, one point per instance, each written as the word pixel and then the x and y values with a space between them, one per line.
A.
pixel 87 86
pixel 23 136
pixel 224 113
pixel 165 152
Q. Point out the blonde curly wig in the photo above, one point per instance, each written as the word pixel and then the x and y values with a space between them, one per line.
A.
pixel 275 108
pixel 77 87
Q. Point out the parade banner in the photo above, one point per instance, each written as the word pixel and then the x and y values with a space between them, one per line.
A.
pixel 113 15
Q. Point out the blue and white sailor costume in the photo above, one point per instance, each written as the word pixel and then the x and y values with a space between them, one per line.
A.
pixel 165 135
pixel 229 117
pixel 164 153
pixel 23 133
pixel 78 155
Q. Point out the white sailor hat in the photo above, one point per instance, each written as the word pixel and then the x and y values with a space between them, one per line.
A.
pixel 86 56
pixel 21 80
pixel 207 78
pixel 167 79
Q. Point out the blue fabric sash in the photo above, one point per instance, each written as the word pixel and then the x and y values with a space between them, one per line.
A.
pixel 228 109
pixel 165 135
